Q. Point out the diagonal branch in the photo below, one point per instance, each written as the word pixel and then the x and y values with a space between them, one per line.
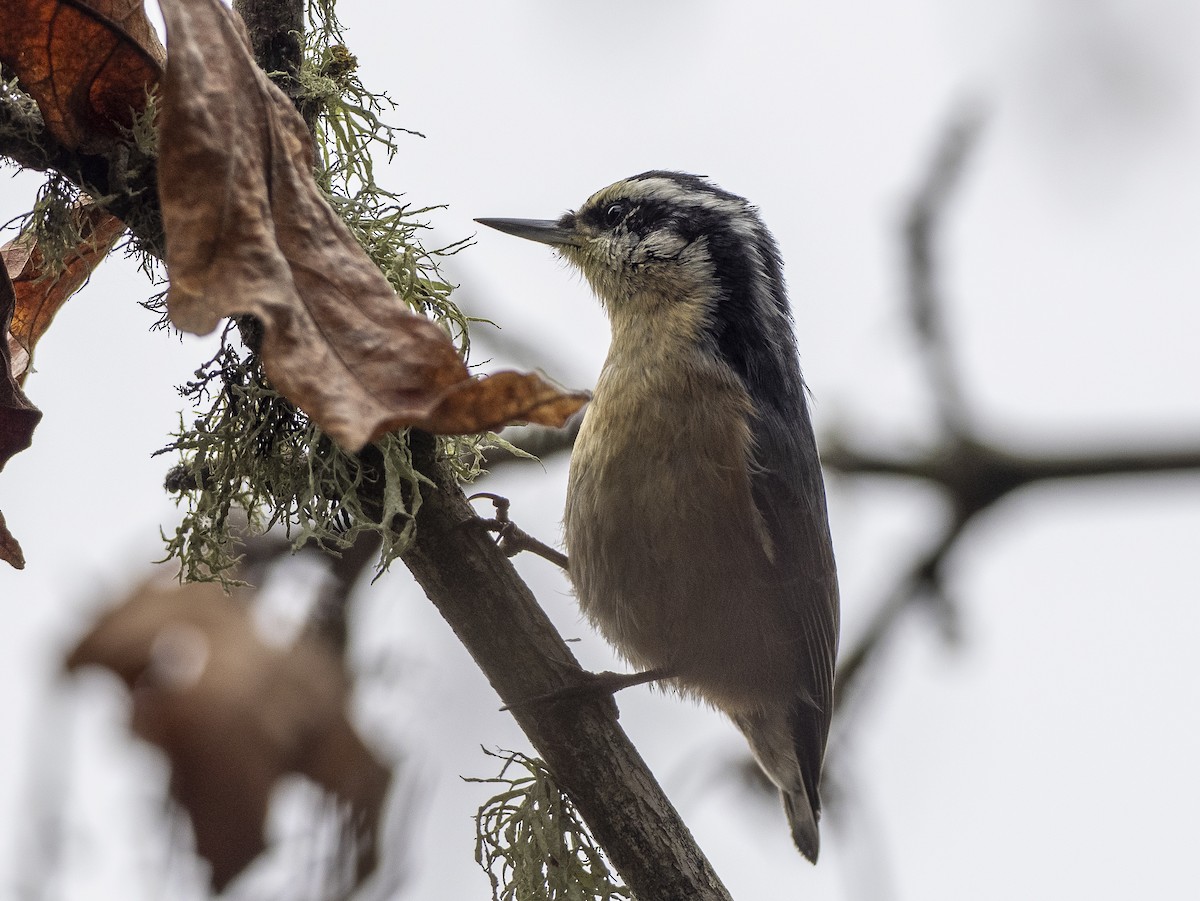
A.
pixel 495 616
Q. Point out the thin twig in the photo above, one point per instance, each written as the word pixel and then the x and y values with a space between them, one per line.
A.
pixel 921 580
pixel 330 610
pixel 539 441
pixel 926 215
pixel 977 475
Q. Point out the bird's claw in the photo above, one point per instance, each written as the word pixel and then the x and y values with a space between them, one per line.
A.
pixel 592 687
pixel 510 538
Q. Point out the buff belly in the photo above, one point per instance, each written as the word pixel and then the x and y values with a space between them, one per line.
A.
pixel 671 563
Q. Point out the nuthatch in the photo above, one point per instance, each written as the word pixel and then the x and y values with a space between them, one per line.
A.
pixel 695 520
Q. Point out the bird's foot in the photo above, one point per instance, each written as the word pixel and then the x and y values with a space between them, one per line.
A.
pixel 593 687
pixel 510 538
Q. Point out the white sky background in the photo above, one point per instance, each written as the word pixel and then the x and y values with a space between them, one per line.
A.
pixel 1053 755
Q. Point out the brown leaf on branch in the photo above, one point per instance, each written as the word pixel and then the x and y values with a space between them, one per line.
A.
pixel 233 715
pixel 40 291
pixel 18 417
pixel 88 65
pixel 248 232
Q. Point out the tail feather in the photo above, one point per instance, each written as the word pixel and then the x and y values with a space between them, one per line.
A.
pixel 802 817
pixel 789 745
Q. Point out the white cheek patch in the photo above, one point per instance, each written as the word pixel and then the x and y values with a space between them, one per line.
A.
pixel 696 263
pixel 686 274
pixel 660 245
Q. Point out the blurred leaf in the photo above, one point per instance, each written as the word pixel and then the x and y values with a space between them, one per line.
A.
pixel 42 286
pixel 18 417
pixel 88 65
pixel 233 715
pixel 249 232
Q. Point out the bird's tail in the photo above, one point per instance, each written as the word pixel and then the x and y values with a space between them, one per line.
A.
pixel 788 749
pixel 802 817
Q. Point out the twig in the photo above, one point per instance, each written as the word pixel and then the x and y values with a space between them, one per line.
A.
pixel 973 475
pixel 922 580
pixel 346 565
pixel 976 475
pixel 926 213
pixel 539 441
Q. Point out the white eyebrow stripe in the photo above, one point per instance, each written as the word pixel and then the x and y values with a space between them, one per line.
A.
pixel 672 192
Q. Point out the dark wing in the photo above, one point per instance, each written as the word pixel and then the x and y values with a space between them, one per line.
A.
pixel 789 493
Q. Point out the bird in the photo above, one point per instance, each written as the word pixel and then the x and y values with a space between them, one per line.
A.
pixel 696 523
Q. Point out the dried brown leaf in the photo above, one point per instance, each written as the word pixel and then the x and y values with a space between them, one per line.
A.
pixel 248 231
pixel 233 715
pixel 18 417
pixel 88 65
pixel 40 294
pixel 10 550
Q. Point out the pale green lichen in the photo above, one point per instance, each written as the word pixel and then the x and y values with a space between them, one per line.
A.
pixel 350 129
pixel 247 448
pixel 533 844
pixel 253 451
pixel 20 118
pixel 53 225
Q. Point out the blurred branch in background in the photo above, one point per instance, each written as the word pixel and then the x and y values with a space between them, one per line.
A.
pixel 921 232
pixel 971 472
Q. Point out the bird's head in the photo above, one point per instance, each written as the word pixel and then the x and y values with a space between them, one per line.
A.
pixel 674 251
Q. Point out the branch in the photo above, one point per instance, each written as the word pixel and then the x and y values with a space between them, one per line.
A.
pixel 538 440
pixel 495 616
pixel 972 473
pixel 330 612
pixel 922 581
pixel 922 225
pixel 276 29
pixel 126 183
pixel 977 475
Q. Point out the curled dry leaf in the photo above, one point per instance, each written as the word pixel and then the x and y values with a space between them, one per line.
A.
pixel 88 65
pixel 248 231
pixel 233 715
pixel 18 417
pixel 40 294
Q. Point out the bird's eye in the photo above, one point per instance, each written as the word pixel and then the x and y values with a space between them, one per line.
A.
pixel 614 214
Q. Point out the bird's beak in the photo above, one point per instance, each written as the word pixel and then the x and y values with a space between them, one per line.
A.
pixel 544 231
